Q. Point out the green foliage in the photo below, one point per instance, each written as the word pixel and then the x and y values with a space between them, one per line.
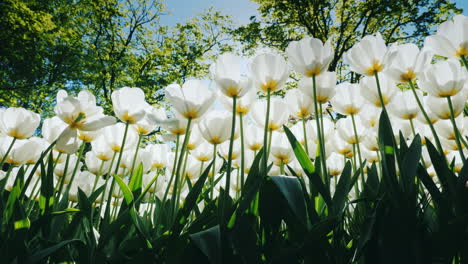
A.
pixel 343 22
pixel 100 45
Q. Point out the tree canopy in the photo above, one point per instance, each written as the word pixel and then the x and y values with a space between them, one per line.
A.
pixel 342 21
pixel 100 45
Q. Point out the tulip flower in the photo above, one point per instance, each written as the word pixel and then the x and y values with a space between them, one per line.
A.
pixel 300 105
pixel 277 117
pixel 347 100
pixel 253 139
pixel 129 104
pixel 243 104
pixel 406 62
pixel 216 126
pixel 449 41
pixel 325 87
pixel 441 109
pixel 443 79
pixel 95 165
pixel 81 112
pixel 114 136
pixel 335 164
pixel 227 75
pixel 203 152
pixel 18 123
pixel 269 72
pixel 51 130
pixel 404 105
pixel 191 100
pixel 26 151
pixel 281 149
pixel 369 90
pixel 444 127
pixel 309 56
pixel 158 154
pixel 368 56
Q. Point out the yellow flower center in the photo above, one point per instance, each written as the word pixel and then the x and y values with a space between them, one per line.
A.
pixel 127 118
pixel 191 113
pixel 271 86
pixel 462 51
pixel 351 110
pixel 408 76
pixel 374 68
pixel 313 71
pixel 15 134
pixel 255 147
pixel 232 91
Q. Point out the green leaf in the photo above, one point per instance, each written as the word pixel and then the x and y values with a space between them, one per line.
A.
pixel 291 190
pixel 42 254
pixel 127 193
pixel 342 189
pixel 410 164
pixel 137 179
pixel 308 167
pixel 209 242
pixel 190 202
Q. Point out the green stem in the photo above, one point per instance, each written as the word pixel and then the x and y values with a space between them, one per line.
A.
pixel 465 62
pixel 382 102
pixel 7 152
pixel 75 169
pixel 111 190
pixel 305 136
pixel 412 127
pixel 281 167
pixel 242 166
pixel 356 137
pixel 140 137
pixel 173 169
pixel 105 187
pixel 213 171
pixel 455 129
pixel 265 134
pixel 175 203
pixel 319 133
pixel 323 145
pixel 229 161
pixel 428 120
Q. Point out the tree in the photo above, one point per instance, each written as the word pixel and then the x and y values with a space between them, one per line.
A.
pixel 343 21
pixel 99 45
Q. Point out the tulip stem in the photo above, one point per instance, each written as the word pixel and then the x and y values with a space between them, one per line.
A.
pixel 241 121
pixel 382 102
pixel 465 63
pixel 175 204
pixel 75 169
pixel 182 179
pixel 455 129
pixel 7 152
pixel 281 167
pixel 229 163
pixel 213 172
pixel 105 188
pixel 140 137
pixel 62 179
pixel 173 168
pixel 97 176
pixel 428 120
pixel 265 133
pixel 305 135
pixel 356 137
pixel 319 131
pixel 322 133
pixel 111 190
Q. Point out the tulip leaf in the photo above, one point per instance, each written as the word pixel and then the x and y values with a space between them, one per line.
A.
pixel 42 254
pixel 307 166
pixel 291 190
pixel 209 242
pixel 342 188
pixel 136 181
pixel 128 195
pixel 190 202
pixel 410 164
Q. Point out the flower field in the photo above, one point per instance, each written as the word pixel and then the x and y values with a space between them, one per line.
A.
pixel 372 171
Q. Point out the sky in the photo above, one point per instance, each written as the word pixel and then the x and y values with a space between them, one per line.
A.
pixel 181 10
pixel 240 10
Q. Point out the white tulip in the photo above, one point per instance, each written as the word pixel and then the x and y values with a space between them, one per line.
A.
pixel 309 56
pixel 451 39
pixel 347 100
pixel 192 100
pixel 129 104
pixel 368 55
pixel 18 123
pixel 227 75
pixel 269 72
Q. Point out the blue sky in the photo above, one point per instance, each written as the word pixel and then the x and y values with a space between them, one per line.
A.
pixel 240 10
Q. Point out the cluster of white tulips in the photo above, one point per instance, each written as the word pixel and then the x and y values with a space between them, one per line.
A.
pixel 423 90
